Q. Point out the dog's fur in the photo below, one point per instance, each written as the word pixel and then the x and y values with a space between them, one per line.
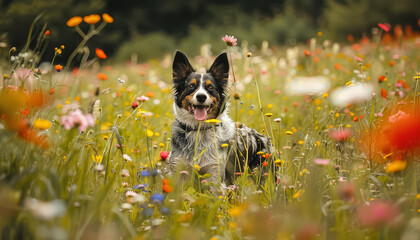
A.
pixel 198 97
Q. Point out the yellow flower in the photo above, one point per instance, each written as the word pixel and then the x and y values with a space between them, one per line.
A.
pixel 213 121
pixel 92 19
pixel 294 129
pixel 268 114
pixel 278 162
pixel 161 144
pixel 41 124
pixel 289 132
pixel 224 145
pixel 301 142
pixel 149 133
pixel 235 211
pixel 74 21
pixel 396 166
pixel 97 158
pixel 298 193
pixel 196 167
pixel 107 18
pixel 386 156
pixel 260 153
pixel 348 83
pixel 418 196
pixel 325 95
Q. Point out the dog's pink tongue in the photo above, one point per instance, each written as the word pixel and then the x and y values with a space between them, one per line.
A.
pixel 200 113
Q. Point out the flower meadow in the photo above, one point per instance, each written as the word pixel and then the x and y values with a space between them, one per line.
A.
pixel 84 142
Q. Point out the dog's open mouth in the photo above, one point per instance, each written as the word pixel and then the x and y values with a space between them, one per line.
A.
pixel 200 111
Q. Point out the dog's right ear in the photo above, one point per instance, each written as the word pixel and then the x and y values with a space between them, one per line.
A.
pixel 181 67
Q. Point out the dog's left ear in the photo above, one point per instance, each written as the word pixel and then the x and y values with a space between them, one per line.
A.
pixel 220 68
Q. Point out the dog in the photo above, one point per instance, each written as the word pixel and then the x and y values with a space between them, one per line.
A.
pixel 199 97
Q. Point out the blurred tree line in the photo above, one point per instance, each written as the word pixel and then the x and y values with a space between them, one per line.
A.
pixel 150 28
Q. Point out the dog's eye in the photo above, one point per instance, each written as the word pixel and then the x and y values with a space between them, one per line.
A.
pixel 210 87
pixel 191 86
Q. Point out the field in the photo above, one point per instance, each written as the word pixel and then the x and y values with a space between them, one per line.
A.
pixel 84 143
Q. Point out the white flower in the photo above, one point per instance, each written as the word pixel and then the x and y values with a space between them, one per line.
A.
pixel 120 81
pixel 46 210
pixel 131 194
pixel 125 173
pixel 126 157
pixel 351 94
pixel 308 85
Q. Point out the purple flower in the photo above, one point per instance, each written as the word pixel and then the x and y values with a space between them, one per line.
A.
pixel 230 40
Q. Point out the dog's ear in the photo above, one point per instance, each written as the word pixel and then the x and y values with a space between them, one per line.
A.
pixel 181 67
pixel 220 69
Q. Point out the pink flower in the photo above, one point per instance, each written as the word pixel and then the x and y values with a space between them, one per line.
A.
pixel 320 161
pixel 143 99
pixel 358 59
pixel 230 40
pixel 376 214
pixel 131 194
pixel 385 26
pixel 340 135
pixel 77 119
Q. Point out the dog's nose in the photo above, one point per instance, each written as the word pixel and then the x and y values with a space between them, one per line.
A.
pixel 201 98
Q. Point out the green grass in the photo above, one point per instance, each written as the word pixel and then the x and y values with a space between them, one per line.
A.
pixel 60 192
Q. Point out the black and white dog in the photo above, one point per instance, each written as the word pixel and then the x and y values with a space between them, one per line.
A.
pixel 199 97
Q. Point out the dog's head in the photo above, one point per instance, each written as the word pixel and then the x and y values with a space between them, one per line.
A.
pixel 201 94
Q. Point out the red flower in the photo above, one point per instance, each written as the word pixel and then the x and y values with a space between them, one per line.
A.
pixel 307 52
pixel 385 26
pixel 165 181
pixel 164 155
pixel 25 112
pixel 376 214
pixel 265 163
pixel 383 93
pixel 382 78
pixel 47 33
pixel 134 105
pixel 355 119
pixel 266 155
pixel 100 53
pixel 58 67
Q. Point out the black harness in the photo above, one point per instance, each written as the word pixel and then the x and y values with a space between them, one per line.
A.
pixel 187 128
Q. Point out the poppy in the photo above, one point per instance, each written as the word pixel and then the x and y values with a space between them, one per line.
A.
pixel 100 53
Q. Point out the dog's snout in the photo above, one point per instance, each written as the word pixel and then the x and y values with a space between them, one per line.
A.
pixel 201 98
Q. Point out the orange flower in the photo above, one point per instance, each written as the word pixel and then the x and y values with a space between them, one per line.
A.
pixel 52 91
pixel 265 163
pixel 150 94
pixel 337 66
pixel 307 52
pixel 266 155
pixel 24 112
pixel 166 188
pixel 47 33
pixel 92 19
pixel 74 21
pixel 355 119
pixel 382 78
pixel 165 181
pixel 392 63
pixel 383 93
pixel 58 67
pixel 102 76
pixel 107 18
pixel 100 53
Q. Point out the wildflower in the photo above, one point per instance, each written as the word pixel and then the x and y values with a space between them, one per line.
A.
pixel 268 114
pixel 224 145
pixel 230 40
pixel 260 153
pixel 277 120
pixel 157 198
pixel 107 18
pixel 309 85
pixel 351 94
pixel 102 76
pixel 127 158
pixel 163 155
pixel 134 105
pixel 92 19
pixel 340 135
pixel 235 211
pixel 121 81
pixel 41 124
pixel 124 184
pixel 355 119
pixel 77 118
pixel 236 96
pixel 58 67
pixel 377 214
pixel 143 99
pixel 183 172
pixel 131 194
pixel 140 186
pixel 384 26
pixel 74 21
pixel 289 132
pixel 149 133
pixel 346 192
pixel 396 166
pixel 265 163
pixel 166 188
pixel 196 168
pixel 298 193
pixel 52 91
pixel 358 59
pixel 266 155
pixel 25 112
pixel 145 173
pixel 278 162
pixel 46 210
pixel 100 53
pixel 47 33
pixel 213 121
pixel 125 173
pixel 382 78
pixel 307 52
pixel 319 161
pixel 384 93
